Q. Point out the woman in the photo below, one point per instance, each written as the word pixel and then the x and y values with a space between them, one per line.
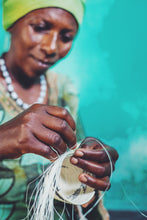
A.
pixel 42 33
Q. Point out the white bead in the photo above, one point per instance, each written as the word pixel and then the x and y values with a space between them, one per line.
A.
pixel 19 102
pixel 3 68
pixel 42 77
pixel 14 95
pixel 40 100
pixel 43 82
pixel 5 74
pixel 10 88
pixel 25 106
pixel 43 87
pixel 8 80
pixel 42 94
pixel 2 62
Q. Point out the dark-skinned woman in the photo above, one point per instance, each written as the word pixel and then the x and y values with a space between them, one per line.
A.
pixel 35 126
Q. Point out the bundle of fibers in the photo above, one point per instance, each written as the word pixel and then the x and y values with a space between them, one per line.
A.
pixel 45 191
pixel 50 184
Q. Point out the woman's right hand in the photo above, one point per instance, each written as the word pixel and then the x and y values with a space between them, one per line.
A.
pixel 41 129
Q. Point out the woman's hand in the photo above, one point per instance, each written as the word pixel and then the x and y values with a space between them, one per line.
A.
pixel 93 159
pixel 41 129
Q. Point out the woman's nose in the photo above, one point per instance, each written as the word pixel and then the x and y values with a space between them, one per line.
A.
pixel 50 44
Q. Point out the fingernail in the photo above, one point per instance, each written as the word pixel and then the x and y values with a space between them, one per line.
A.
pixel 74 160
pixel 73 147
pixel 83 178
pixel 79 153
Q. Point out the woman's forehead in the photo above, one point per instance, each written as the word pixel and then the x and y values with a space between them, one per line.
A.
pixel 57 15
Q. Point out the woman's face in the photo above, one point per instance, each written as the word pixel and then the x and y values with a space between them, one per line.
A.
pixel 40 39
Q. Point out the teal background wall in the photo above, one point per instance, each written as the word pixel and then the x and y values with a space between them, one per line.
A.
pixel 108 64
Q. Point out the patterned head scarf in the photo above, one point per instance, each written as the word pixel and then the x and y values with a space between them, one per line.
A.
pixel 16 9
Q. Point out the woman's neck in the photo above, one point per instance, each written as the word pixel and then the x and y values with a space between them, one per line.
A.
pixel 16 73
pixel 27 89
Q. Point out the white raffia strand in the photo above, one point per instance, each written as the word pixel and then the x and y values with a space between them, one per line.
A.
pixel 131 201
pixel 43 206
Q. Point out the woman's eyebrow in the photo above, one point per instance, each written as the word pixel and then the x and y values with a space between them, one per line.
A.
pixel 42 21
pixel 37 18
pixel 66 30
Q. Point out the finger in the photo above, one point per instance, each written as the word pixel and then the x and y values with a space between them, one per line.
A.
pixel 98 184
pixel 88 203
pixel 113 153
pixel 93 143
pixel 62 127
pixel 93 155
pixel 100 170
pixel 90 143
pixel 99 155
pixel 50 138
pixel 41 149
pixel 61 113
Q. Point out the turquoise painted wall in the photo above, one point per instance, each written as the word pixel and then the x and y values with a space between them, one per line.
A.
pixel 108 63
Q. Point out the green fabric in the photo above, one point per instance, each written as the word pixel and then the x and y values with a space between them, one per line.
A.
pixel 17 174
pixel 16 9
pixel 18 177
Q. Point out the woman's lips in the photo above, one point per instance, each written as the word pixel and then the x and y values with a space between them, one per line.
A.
pixel 42 63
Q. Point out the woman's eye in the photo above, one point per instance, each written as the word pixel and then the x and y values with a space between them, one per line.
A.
pixel 66 38
pixel 40 28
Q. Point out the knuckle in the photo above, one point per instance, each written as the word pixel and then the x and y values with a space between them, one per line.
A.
pixel 101 172
pixel 46 151
pixel 56 139
pixel 65 113
pixel 36 106
pixel 63 125
pixel 29 116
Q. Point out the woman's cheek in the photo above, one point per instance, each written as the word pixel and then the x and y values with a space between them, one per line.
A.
pixel 64 49
pixel 32 37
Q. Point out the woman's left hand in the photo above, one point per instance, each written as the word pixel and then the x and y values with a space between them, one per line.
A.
pixel 93 159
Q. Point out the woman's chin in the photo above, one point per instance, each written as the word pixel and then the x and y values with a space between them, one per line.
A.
pixel 35 72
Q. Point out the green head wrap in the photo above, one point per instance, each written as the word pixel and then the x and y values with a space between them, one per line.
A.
pixel 16 9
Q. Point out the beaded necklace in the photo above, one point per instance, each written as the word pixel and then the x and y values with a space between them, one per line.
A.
pixel 13 94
